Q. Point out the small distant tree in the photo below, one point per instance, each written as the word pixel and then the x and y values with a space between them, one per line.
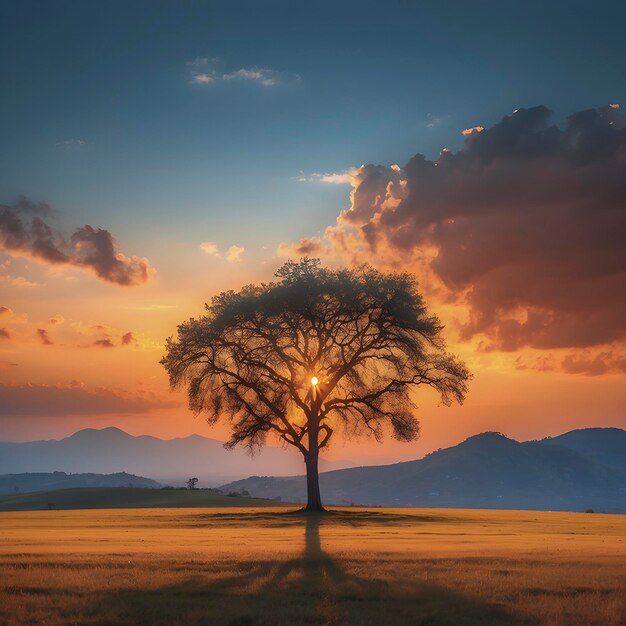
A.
pixel 318 350
pixel 191 483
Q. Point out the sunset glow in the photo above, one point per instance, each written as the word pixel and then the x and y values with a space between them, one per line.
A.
pixel 312 313
pixel 120 220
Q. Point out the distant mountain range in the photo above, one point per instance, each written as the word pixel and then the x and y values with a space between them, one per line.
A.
pixel 168 461
pixel 578 470
pixel 48 481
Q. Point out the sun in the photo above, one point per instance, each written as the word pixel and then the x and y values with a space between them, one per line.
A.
pixel 314 381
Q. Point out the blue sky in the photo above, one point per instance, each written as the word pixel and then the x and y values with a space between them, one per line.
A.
pixel 358 82
pixel 172 124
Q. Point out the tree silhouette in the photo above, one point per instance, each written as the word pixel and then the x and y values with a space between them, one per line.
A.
pixel 191 483
pixel 317 351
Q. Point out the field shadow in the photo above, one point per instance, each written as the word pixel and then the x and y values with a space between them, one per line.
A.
pixel 290 517
pixel 313 588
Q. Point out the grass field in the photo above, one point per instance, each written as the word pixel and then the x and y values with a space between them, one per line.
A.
pixel 275 566
pixel 122 498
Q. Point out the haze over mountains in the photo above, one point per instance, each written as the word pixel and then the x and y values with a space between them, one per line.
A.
pixel 578 470
pixel 173 461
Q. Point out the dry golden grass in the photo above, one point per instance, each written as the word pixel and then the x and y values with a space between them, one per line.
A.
pixel 273 566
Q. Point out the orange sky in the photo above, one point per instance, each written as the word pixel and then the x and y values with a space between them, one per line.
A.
pixel 76 311
pixel 527 276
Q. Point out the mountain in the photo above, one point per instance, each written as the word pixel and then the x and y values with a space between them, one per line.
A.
pixel 175 460
pixel 48 481
pixel 571 472
pixel 603 445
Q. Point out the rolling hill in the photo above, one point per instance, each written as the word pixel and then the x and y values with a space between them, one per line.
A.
pixel 47 481
pixel 579 470
pixel 123 498
pixel 169 461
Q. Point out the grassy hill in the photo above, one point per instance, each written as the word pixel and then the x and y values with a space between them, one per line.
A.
pixel 123 498
pixel 51 481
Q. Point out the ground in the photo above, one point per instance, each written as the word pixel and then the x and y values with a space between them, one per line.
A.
pixel 276 566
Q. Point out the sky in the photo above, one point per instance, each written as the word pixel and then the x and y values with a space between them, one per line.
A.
pixel 156 153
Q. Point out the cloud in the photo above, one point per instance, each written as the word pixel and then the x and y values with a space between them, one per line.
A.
pixel 339 178
pixel 126 339
pixel 44 337
pixel 57 400
pixel 525 226
pixel 152 307
pixel 234 253
pixel 434 120
pixel 311 247
pixel 585 362
pixel 71 144
pixel 210 248
pixel 104 343
pixel 206 71
pixel 472 130
pixel 4 334
pixel 18 281
pixel 87 335
pixel 87 248
pixel 595 365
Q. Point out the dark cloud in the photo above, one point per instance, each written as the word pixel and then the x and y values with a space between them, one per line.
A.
pixel 104 343
pixel 127 338
pixel 586 362
pixel 42 333
pixel 4 310
pixel 526 223
pixel 23 231
pixel 44 400
pixel 311 247
pixel 596 365
pixel 4 334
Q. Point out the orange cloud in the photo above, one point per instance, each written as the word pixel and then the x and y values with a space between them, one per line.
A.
pixel 73 399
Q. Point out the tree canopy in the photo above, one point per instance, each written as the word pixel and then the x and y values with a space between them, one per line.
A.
pixel 317 351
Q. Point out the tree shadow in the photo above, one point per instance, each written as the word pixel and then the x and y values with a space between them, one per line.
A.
pixel 313 588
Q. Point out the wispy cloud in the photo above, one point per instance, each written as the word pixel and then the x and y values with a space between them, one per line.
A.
pixel 207 71
pixel 73 399
pixel 152 307
pixel 337 178
pixel 71 144
pixel 17 281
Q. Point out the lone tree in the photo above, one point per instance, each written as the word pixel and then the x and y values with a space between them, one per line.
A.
pixel 315 352
pixel 191 483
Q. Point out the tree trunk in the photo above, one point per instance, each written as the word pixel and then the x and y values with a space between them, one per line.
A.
pixel 314 498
